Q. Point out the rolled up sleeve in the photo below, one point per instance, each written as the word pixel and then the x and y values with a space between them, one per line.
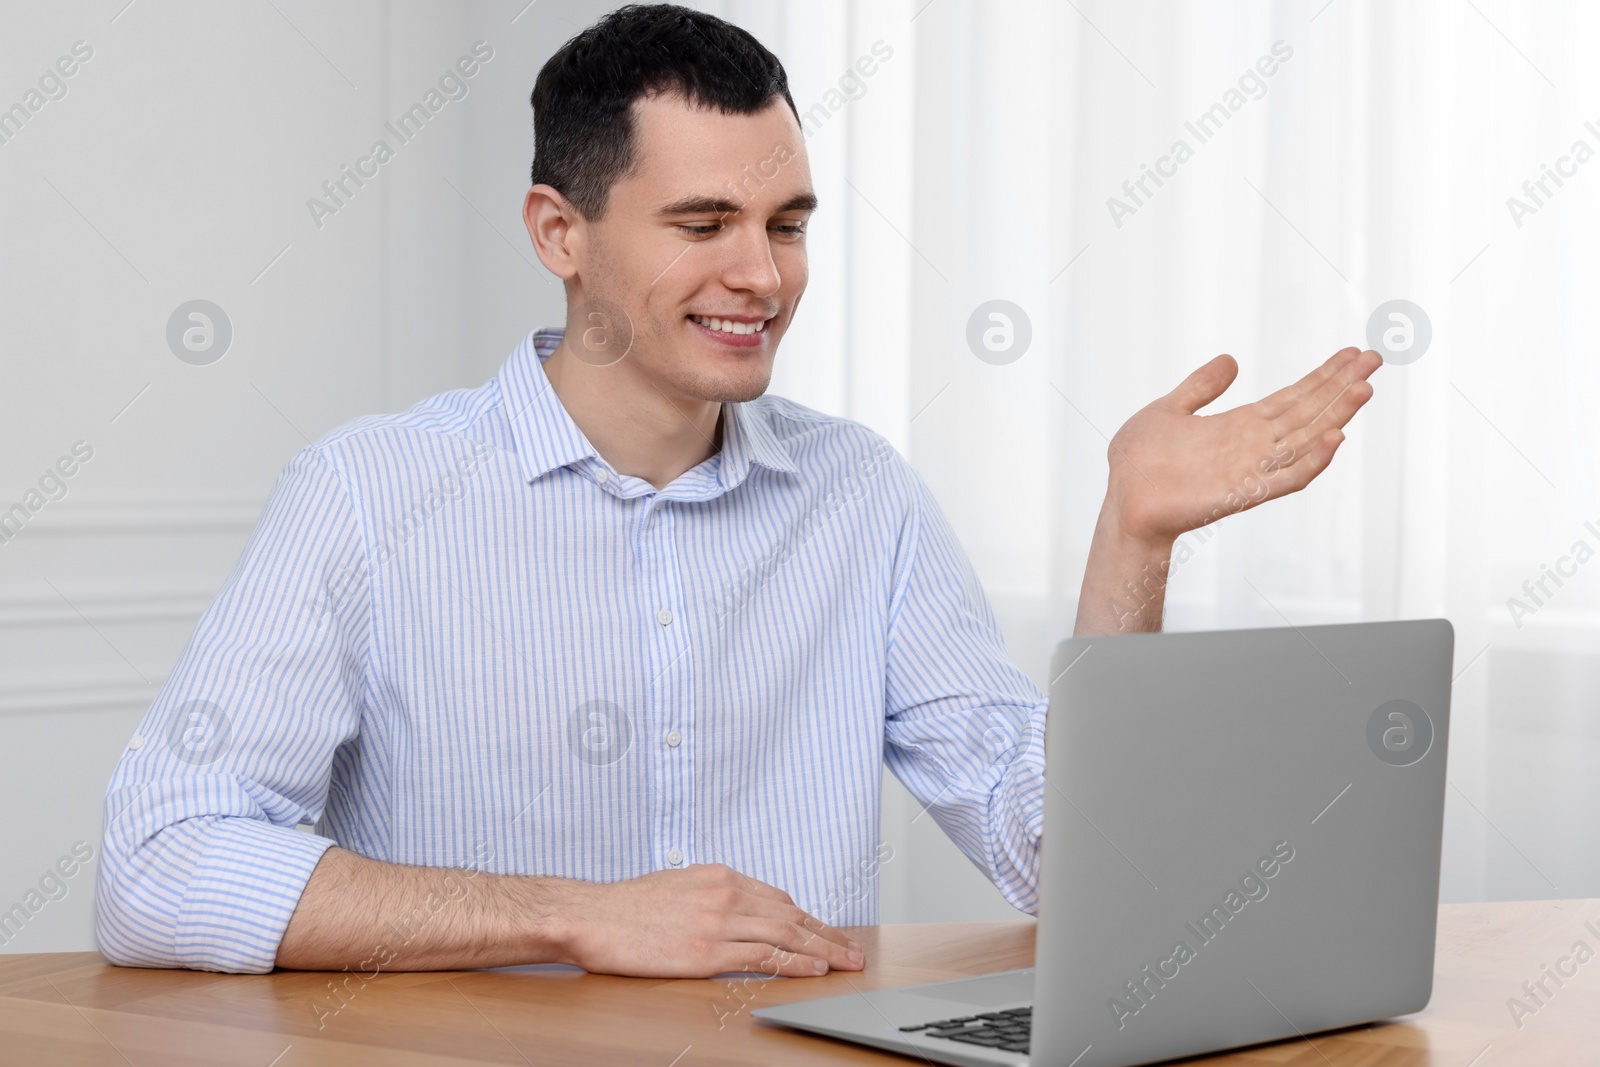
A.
pixel 202 864
pixel 965 726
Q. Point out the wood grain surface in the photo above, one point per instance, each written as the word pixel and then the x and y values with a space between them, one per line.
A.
pixel 74 1008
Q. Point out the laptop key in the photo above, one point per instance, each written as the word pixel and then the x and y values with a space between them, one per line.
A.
pixel 992 1029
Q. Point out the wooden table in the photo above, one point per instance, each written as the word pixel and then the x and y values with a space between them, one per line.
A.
pixel 74 1008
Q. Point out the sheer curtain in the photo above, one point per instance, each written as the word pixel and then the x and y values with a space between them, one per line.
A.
pixel 1339 155
pixel 964 152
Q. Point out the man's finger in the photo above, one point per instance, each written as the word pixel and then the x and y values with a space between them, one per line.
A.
pixel 1333 402
pixel 816 929
pixel 1205 384
pixel 768 900
pixel 790 937
pixel 1334 415
pixel 1312 461
pixel 821 929
pixel 762 889
pixel 1275 405
pixel 759 958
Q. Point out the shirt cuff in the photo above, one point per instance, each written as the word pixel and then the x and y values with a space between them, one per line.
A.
pixel 242 894
pixel 1022 823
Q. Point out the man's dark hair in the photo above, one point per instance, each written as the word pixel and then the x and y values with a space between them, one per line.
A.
pixel 583 128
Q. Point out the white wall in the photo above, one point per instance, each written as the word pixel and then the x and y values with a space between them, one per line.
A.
pixel 974 165
pixel 176 167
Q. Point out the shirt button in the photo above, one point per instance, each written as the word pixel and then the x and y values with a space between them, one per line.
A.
pixel 138 742
pixel 602 476
pixel 675 857
pixel 664 616
pixel 674 738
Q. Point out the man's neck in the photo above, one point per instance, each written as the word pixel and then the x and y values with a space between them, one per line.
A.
pixel 636 427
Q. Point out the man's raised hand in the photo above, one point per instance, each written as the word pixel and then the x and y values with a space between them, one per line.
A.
pixel 1174 470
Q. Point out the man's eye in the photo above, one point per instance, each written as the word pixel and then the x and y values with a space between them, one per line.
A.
pixel 791 229
pixel 700 229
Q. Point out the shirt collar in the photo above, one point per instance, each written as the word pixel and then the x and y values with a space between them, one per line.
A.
pixel 547 438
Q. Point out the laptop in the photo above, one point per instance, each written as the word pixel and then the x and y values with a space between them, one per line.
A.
pixel 1241 845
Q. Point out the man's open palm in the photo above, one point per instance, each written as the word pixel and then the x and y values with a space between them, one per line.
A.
pixel 1173 470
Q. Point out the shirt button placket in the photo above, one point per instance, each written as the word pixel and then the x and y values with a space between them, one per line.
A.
pixel 669 769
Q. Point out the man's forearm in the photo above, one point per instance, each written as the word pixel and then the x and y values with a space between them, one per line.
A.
pixel 366 915
pixel 686 922
pixel 1124 581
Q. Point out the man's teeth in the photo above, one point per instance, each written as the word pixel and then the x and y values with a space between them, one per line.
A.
pixel 729 326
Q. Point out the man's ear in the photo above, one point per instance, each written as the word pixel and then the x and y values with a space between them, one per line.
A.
pixel 557 230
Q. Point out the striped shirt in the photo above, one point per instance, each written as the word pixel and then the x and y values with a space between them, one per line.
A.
pixel 458 638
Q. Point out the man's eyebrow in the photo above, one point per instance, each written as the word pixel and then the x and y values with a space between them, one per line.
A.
pixel 799 202
pixel 717 205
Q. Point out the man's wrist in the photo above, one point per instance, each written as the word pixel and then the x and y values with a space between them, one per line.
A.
pixel 1124 584
pixel 549 918
pixel 1124 537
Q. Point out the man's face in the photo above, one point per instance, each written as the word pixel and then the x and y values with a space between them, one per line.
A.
pixel 708 226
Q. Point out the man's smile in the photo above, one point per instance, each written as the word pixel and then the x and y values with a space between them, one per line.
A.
pixel 740 332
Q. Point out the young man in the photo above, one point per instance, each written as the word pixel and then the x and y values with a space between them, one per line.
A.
pixel 597 663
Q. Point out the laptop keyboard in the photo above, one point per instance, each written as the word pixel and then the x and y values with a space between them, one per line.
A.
pixel 1007 1030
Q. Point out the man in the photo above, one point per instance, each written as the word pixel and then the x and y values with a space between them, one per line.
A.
pixel 597 663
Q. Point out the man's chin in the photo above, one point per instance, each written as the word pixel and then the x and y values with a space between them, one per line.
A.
pixel 726 374
pixel 725 382
pixel 730 392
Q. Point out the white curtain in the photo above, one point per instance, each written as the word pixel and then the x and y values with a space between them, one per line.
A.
pixel 964 151
pixel 1374 162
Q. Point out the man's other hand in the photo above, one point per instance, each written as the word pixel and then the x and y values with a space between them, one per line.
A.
pixel 702 920
pixel 1173 470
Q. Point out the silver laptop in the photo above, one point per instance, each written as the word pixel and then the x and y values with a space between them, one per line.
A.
pixel 1241 845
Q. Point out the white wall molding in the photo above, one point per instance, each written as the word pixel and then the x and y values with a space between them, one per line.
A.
pixel 172 515
pixel 90 696
pixel 123 607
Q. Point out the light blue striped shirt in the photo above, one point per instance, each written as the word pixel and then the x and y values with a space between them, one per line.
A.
pixel 458 638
